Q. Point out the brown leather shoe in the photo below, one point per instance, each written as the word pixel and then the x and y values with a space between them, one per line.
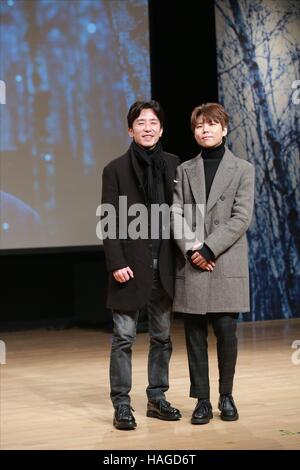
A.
pixel 123 417
pixel 162 409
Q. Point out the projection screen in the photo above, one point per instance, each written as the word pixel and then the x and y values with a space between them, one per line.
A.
pixel 69 70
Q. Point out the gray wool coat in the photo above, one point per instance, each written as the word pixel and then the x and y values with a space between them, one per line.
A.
pixel 220 223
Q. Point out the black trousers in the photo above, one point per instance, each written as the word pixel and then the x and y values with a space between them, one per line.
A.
pixel 196 332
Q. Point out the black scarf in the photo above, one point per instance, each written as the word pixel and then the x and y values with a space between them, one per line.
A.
pixel 154 168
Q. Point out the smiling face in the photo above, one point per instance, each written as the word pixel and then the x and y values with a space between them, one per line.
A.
pixel 209 133
pixel 146 129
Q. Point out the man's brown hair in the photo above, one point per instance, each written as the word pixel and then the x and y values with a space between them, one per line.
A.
pixel 210 112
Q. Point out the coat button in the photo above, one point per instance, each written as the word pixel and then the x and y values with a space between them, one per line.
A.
pixel 216 222
pixel 222 198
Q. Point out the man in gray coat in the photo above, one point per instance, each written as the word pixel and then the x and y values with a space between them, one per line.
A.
pixel 212 209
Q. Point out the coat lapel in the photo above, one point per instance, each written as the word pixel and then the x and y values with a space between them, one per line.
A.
pixel 223 176
pixel 196 178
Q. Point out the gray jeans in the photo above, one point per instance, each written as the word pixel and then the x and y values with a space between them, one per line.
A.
pixel 124 334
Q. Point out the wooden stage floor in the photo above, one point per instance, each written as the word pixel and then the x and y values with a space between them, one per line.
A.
pixel 55 392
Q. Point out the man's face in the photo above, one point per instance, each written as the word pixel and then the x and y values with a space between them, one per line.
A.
pixel 209 134
pixel 146 129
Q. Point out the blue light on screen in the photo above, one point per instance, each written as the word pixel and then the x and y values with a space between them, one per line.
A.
pixel 72 69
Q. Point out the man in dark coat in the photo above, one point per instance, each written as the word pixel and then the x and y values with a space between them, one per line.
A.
pixel 140 260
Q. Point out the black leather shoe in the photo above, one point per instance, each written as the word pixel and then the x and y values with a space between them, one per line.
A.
pixel 123 417
pixel 202 414
pixel 228 408
pixel 162 409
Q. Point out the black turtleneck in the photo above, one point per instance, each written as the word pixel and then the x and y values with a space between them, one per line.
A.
pixel 211 159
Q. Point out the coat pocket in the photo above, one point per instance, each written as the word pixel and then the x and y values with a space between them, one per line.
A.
pixel 235 261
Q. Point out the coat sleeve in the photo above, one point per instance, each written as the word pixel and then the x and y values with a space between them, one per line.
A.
pixel 114 255
pixel 229 232
pixel 181 230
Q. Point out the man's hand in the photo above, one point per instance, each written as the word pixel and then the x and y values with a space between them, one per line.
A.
pixel 201 262
pixel 123 275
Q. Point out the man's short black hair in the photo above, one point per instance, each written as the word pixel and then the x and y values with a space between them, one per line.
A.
pixel 137 107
